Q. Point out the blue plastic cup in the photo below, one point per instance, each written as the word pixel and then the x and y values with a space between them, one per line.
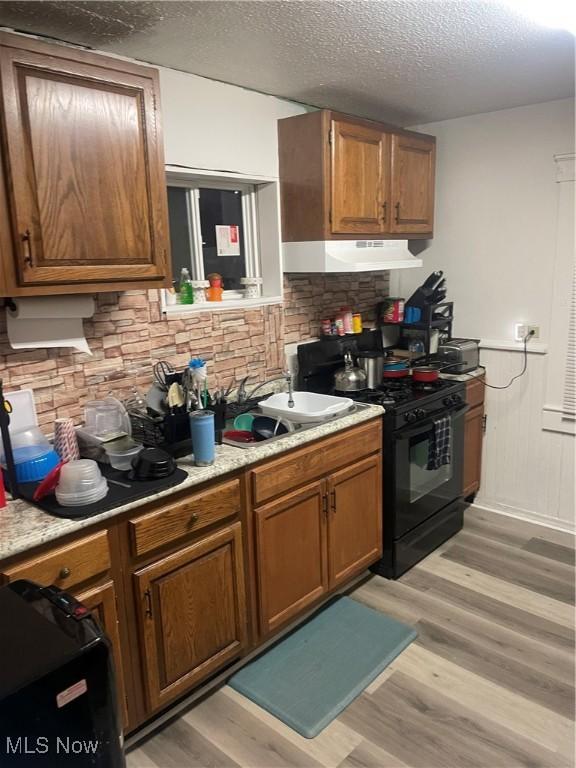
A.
pixel 202 434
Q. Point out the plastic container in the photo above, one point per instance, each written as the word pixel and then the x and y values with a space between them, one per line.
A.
pixel 121 458
pixel 80 483
pixel 34 457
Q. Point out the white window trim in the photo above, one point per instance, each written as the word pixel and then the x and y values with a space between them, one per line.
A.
pixel 261 213
pixel 554 416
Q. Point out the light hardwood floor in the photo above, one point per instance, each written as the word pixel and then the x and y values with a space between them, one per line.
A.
pixel 489 682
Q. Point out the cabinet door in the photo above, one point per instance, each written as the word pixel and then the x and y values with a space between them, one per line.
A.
pixel 192 614
pixel 291 555
pixel 85 166
pixel 101 601
pixel 355 519
pixel 360 179
pixel 413 162
pixel 473 436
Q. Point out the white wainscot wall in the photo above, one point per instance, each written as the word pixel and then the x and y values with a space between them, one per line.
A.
pixel 527 472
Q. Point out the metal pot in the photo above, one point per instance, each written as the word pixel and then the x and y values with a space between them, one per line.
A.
pixel 424 374
pixel 372 363
pixel 349 378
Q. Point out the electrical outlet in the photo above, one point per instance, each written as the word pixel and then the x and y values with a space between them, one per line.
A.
pixel 522 329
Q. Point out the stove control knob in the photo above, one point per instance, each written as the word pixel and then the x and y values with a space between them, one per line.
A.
pixel 447 401
pixel 410 416
pixel 420 413
pixel 456 399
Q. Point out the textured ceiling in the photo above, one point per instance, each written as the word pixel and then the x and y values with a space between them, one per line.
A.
pixel 407 61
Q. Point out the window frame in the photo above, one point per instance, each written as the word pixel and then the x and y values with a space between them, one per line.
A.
pixel 267 234
pixel 249 203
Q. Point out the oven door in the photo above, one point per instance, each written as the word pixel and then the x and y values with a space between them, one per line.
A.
pixel 421 492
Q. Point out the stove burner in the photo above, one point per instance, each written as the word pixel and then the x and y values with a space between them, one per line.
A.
pixel 399 392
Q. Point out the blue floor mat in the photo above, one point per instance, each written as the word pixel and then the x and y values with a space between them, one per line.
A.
pixel 311 675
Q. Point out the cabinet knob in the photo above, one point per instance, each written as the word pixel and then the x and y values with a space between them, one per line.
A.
pixel 64 573
pixel 384 211
pixel 193 518
pixel 397 213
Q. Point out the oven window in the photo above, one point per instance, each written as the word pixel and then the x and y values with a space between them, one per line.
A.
pixel 422 480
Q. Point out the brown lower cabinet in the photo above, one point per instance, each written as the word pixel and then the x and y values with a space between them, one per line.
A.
pixel 192 614
pixel 473 436
pixel 190 584
pixel 101 600
pixel 316 539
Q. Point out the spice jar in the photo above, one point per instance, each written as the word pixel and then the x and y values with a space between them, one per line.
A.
pixel 346 314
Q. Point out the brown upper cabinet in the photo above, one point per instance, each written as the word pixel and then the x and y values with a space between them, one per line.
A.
pixel 82 172
pixel 343 178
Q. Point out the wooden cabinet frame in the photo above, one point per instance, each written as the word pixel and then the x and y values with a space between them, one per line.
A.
pixel 150 609
pixel 33 212
pixel 310 190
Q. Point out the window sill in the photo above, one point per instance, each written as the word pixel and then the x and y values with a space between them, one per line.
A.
pixel 179 310
pixel 553 420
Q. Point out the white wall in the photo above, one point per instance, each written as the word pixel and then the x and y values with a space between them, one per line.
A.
pixel 221 127
pixel 497 205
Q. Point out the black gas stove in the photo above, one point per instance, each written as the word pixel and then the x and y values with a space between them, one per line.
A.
pixel 406 402
pixel 422 504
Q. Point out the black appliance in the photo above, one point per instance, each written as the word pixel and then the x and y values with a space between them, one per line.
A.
pixel 421 507
pixel 57 693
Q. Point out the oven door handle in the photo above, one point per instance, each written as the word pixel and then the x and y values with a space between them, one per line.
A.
pixel 424 425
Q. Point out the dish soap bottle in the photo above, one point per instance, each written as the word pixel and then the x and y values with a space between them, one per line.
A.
pixel 186 290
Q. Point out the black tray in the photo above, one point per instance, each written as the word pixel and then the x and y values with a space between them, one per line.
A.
pixel 117 495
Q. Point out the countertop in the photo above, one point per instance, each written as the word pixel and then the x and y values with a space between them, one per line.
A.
pixel 24 526
pixel 464 376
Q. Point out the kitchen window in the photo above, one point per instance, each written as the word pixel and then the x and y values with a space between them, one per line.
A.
pixel 215 228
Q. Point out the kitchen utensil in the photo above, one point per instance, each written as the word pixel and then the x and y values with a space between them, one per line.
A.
pixel 349 378
pixel 264 427
pixel 161 370
pixel 203 437
pixel 118 483
pixel 80 483
pixel 372 363
pixel 244 422
pixel 65 441
pixel 156 399
pixel 240 436
pixel 175 396
pixel 425 374
pixel 398 373
pixel 152 463
pixel 394 364
pixel 121 457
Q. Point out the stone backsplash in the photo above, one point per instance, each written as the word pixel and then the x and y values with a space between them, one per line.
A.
pixel 128 334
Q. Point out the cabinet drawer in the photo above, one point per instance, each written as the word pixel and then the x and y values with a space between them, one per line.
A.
pixel 67 566
pixel 307 464
pixel 170 523
pixel 475 391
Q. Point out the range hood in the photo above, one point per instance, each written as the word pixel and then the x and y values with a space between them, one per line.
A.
pixel 348 256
